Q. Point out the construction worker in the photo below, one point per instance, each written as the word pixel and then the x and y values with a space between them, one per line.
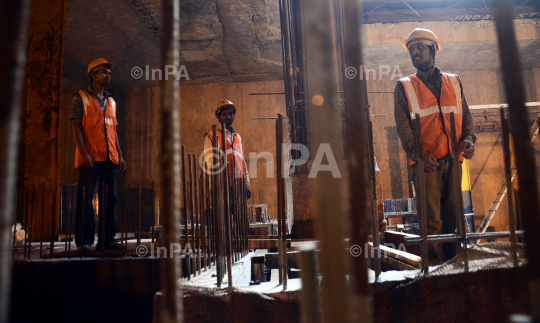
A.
pixel 97 157
pixel 225 112
pixel 434 95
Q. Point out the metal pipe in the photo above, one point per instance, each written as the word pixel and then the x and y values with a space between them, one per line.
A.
pixel 170 148
pixel 509 186
pixel 458 202
pixel 283 204
pixel 438 238
pixel 421 192
pixel 14 22
pixel 227 207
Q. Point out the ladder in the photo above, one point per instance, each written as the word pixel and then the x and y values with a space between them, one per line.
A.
pixel 500 196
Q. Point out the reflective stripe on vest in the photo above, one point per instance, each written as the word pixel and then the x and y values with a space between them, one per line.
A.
pixel 98 130
pixel 421 101
pixel 234 149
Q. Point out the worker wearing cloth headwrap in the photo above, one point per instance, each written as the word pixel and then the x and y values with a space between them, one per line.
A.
pixel 97 157
pixel 226 111
pixel 434 95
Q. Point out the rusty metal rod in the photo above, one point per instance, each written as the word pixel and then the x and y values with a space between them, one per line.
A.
pixel 153 213
pixel 127 218
pixel 102 216
pixel 184 215
pixel 70 222
pixel 26 221
pixel 438 238
pixel 192 207
pixel 139 198
pixel 42 222
pixel 227 210
pixel 233 196
pixel 53 224
pixel 195 216
pixel 217 209
pixel 122 219
pixel 68 206
pixel 509 185
pixel 279 168
pixel 83 203
pixel 105 203
pixel 170 148
pixel 310 298
pixel 420 190
pixel 31 229
pixel 373 200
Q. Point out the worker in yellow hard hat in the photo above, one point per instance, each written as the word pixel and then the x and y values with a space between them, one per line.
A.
pixel 432 95
pixel 97 156
pixel 225 112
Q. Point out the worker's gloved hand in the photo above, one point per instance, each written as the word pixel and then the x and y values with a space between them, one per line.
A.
pixel 86 161
pixel 248 193
pixel 430 162
pixel 467 149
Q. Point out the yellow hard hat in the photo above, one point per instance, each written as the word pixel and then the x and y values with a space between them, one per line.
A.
pixel 225 103
pixel 98 63
pixel 422 34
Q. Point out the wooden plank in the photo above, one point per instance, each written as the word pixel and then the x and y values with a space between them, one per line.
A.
pixel 397 264
pixel 408 258
pixel 271 259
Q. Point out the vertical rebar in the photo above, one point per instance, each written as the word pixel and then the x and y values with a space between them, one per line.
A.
pixel 31 228
pixel 355 102
pixel 509 186
pixel 373 200
pixel 310 298
pixel 227 207
pixel 139 198
pixel 42 223
pixel 26 221
pixel 279 168
pixel 126 222
pixel 185 215
pixel 170 168
pixel 53 224
pixel 196 223
pixel 460 217
pixel 192 207
pixel 14 22
pixel 420 190
pixel 70 222
pixel 233 196
pixel 217 208
pixel 83 203
pixel 122 219
pixel 153 214
pixel 104 215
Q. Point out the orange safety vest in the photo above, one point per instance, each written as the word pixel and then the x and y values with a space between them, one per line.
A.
pixel 98 130
pixel 234 150
pixel 435 116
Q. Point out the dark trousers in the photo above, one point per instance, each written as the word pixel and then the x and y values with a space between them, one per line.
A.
pixel 441 206
pixel 102 172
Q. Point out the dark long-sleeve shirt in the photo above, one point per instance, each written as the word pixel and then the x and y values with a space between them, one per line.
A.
pixel 403 116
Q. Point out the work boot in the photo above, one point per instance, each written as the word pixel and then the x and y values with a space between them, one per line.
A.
pixel 85 248
pixel 109 246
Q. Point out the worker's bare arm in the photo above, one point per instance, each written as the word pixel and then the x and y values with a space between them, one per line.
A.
pixel 77 134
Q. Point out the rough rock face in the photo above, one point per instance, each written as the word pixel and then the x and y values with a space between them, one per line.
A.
pixel 220 40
